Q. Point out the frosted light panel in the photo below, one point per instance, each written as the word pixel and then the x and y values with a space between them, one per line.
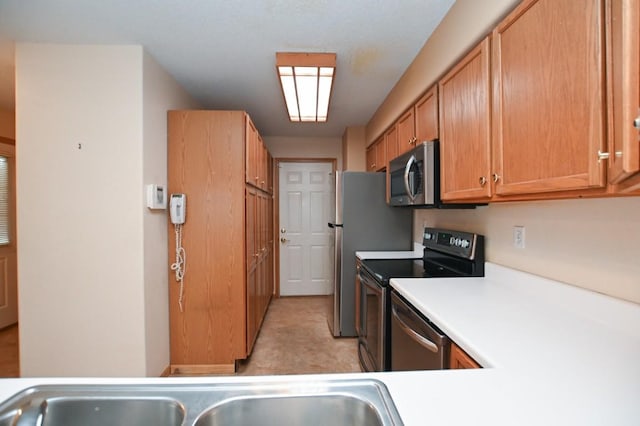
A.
pixel 306 89
pixel 307 85
pixel 289 89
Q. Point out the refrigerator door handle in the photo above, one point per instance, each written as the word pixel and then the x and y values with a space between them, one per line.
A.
pixel 334 225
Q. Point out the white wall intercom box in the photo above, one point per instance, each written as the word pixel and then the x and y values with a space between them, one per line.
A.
pixel 156 196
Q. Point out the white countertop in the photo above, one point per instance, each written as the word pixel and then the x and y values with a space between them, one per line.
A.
pixel 555 354
pixel 417 253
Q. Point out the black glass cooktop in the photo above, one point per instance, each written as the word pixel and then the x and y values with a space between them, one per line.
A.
pixel 385 269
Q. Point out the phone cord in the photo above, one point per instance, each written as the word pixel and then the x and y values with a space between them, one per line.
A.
pixel 180 265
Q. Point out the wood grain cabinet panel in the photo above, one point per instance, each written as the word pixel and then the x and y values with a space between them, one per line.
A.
pixel 391 142
pixel 214 158
pixel 459 359
pixel 465 127
pixel 406 132
pixel 371 158
pixel 549 97
pixel 426 116
pixel 624 93
pixel 381 154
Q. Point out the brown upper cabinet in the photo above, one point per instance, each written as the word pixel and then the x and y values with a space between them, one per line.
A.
pixel 391 140
pixel 406 129
pixel 257 166
pixel 377 155
pixel 465 127
pixel 381 155
pixel 624 93
pixel 426 116
pixel 419 123
pixel 549 97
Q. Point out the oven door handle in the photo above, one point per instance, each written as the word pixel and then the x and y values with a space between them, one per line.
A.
pixel 407 170
pixel 422 341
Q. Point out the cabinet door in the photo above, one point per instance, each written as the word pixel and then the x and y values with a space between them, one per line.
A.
pixel 371 158
pixel 465 127
pixel 251 141
pixel 459 359
pixel 426 116
pixel 624 68
pixel 406 132
pixel 549 97
pixel 381 155
pixel 391 142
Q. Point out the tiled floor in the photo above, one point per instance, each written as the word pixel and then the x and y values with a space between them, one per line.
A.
pixel 295 339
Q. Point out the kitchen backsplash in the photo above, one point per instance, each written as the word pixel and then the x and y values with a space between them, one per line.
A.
pixel 590 243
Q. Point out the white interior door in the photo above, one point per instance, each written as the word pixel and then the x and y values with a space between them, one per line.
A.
pixel 8 250
pixel 306 203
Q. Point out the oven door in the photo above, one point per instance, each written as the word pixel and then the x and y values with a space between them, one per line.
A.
pixel 371 341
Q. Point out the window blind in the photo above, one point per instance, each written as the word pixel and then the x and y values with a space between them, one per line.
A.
pixel 4 201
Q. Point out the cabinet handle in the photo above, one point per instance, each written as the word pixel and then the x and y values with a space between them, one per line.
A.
pixel 602 156
pixel 636 122
pixel 373 165
pixel 483 181
pixel 496 177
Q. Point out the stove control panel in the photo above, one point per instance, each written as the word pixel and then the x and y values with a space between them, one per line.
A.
pixel 461 244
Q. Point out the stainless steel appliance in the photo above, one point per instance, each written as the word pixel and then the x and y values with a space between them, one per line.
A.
pixel 414 177
pixel 363 221
pixel 383 346
pixel 416 343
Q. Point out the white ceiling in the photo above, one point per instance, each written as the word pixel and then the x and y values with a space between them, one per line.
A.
pixel 223 52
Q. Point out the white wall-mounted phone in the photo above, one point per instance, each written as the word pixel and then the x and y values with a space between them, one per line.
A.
pixel 178 213
pixel 178 208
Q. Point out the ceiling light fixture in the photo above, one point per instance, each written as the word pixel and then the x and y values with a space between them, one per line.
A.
pixel 306 80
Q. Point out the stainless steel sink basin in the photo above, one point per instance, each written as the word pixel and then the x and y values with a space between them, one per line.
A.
pixel 111 411
pixel 334 410
pixel 326 402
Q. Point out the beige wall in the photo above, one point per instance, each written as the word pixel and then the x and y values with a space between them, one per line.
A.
pixel 588 243
pixel 85 304
pixel 160 93
pixel 296 147
pixel 7 124
pixel 353 149
pixel 464 25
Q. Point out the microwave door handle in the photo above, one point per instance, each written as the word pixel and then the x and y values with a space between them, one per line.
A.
pixel 407 169
pixel 422 341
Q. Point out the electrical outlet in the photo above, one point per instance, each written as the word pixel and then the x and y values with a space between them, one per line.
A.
pixel 518 237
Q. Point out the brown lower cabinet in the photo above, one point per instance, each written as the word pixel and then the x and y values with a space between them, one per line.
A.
pixel 459 359
pixel 227 238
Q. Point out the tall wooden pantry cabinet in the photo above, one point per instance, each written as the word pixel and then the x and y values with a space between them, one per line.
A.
pixel 218 159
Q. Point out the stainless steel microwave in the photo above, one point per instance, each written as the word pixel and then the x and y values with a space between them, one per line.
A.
pixel 414 177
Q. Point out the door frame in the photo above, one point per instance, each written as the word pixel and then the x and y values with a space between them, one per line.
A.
pixel 276 208
pixel 8 149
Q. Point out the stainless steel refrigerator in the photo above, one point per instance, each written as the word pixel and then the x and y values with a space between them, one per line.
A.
pixel 363 222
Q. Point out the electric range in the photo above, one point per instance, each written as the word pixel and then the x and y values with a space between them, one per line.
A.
pixel 447 254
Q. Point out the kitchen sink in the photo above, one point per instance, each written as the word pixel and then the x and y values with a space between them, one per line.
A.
pixel 335 410
pixel 331 402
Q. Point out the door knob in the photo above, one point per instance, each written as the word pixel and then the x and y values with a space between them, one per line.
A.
pixel 283 231
pixel 283 240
